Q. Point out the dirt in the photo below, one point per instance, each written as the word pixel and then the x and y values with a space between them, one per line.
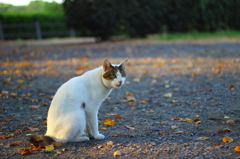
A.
pixel 184 98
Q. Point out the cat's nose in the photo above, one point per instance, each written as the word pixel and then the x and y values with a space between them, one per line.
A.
pixel 120 82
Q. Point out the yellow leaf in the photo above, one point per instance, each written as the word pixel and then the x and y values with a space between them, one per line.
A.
pixel 129 94
pixel 226 117
pixel 108 122
pixel 169 95
pixel 189 120
pixel 136 80
pixel 227 139
pixel 174 127
pixel 49 148
pixel 117 153
pixel 20 81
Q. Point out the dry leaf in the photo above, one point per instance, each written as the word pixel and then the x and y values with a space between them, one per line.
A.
pixel 227 139
pixel 169 95
pixel 150 111
pixel 227 130
pixel 15 143
pixel 25 151
pixel 143 101
pixel 198 122
pixel 179 132
pixel 103 129
pixel 117 153
pixel 108 122
pixel 174 127
pixel 48 63
pixel 109 143
pixel 237 148
pixel 130 98
pixel 189 120
pixel 49 147
pixel 34 106
pixel 35 148
pixel 154 76
pixel 118 117
pixel 203 138
pixel 174 101
pixel 230 121
pixel 128 127
pixel 129 94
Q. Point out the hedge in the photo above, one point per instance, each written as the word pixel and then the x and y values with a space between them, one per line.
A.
pixel 139 17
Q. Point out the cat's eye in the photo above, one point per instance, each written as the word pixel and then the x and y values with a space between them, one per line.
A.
pixel 112 76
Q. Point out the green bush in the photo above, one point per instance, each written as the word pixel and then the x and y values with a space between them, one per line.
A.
pixel 44 18
pixel 104 18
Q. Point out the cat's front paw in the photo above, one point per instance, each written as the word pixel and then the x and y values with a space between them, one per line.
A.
pixel 99 136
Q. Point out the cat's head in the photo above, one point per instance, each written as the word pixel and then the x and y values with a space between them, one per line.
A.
pixel 114 75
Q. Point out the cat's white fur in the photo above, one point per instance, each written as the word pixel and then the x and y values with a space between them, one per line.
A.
pixel 73 113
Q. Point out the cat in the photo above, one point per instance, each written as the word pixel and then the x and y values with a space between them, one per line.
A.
pixel 73 113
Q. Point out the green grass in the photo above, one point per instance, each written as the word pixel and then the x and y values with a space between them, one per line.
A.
pixel 196 35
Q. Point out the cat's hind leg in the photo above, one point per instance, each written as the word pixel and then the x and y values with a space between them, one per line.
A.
pixel 80 137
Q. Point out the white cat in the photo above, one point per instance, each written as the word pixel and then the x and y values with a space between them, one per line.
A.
pixel 73 113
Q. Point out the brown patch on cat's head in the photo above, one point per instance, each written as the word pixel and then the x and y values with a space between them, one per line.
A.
pixel 110 74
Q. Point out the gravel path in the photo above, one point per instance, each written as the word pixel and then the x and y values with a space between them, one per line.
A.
pixel 181 98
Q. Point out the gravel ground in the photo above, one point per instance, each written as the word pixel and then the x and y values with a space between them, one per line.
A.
pixel 180 100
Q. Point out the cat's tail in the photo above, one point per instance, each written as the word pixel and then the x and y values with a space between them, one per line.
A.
pixel 40 140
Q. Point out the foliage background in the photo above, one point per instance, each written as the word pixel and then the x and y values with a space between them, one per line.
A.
pixel 136 18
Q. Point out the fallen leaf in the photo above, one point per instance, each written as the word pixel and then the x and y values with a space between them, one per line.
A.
pixel 169 95
pixel 25 151
pixel 230 121
pixel 35 148
pixel 117 153
pixel 30 129
pixel 227 130
pixel 174 101
pixel 232 87
pixel 103 129
pixel 226 117
pixel 34 106
pixel 118 117
pixel 194 75
pixel 108 122
pixel 150 111
pixel 179 132
pixel 109 143
pixel 174 127
pixel 48 63
pixel 198 122
pixel 49 148
pixel 14 95
pixel 115 135
pixel 227 139
pixel 129 94
pixel 154 76
pixel 101 146
pixel 15 143
pixel 136 80
pixel 237 148
pixel 189 120
pixel 143 101
pixel 20 81
pixel 202 138
pixel 128 127
pixel 130 98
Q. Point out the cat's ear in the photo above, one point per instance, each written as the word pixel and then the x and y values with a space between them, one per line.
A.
pixel 106 65
pixel 124 64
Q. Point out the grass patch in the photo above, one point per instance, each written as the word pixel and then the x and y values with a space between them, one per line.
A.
pixel 195 35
